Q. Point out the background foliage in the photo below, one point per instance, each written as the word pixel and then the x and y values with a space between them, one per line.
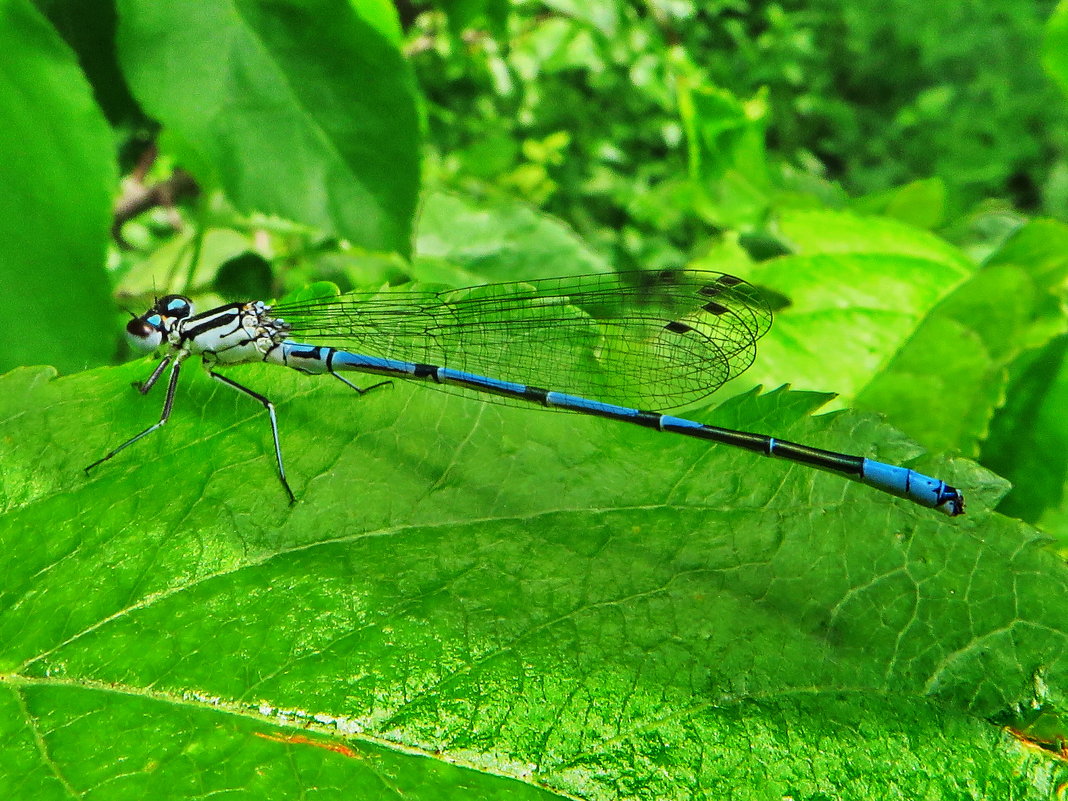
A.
pixel 476 601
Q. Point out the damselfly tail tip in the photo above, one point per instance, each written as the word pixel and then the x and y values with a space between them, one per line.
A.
pixel 951 501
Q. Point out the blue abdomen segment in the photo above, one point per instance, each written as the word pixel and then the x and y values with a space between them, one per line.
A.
pixel 317 359
pixel 445 375
pixel 924 490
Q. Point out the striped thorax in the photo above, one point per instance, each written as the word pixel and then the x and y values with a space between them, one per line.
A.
pixel 237 332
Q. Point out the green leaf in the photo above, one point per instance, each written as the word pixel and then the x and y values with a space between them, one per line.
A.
pixel 812 232
pixel 92 37
pixel 848 316
pixel 855 294
pixel 1027 435
pixel 723 131
pixel 300 109
pixel 498 240
pixel 1029 438
pixel 58 173
pixel 169 264
pixel 382 16
pixel 479 601
pixel 727 159
pixel 1042 247
pixel 1055 46
pixel 958 355
pixel 921 203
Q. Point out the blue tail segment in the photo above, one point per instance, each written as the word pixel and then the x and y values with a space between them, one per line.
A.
pixel 903 482
pixel 924 490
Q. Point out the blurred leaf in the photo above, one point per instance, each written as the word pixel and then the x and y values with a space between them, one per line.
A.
pixel 92 37
pixel 547 600
pixel 1027 435
pixel 349 269
pixel 1055 46
pixel 495 240
pixel 723 130
pixel 957 356
pixel 858 290
pixel 382 16
pixel 725 139
pixel 1042 247
pixel 862 96
pixel 304 110
pixel 319 289
pixel 490 155
pixel 58 173
pixel 1028 442
pixel 245 276
pixel 464 14
pixel 170 267
pixel 603 15
pixel 820 231
pixel 921 203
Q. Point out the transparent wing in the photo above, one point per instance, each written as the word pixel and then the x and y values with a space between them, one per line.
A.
pixel 647 339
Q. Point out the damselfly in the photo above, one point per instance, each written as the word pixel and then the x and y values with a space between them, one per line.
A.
pixel 607 345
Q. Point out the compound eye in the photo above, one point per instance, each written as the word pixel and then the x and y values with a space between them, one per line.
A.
pixel 177 307
pixel 143 333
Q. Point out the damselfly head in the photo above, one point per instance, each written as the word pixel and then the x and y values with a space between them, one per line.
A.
pixel 176 306
pixel 147 332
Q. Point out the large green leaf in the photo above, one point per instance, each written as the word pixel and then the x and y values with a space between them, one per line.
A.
pixel 463 241
pixel 856 291
pixel 57 174
pixel 946 381
pixel 812 232
pixel 301 109
pixel 1027 436
pixel 92 37
pixel 476 601
pixel 1029 439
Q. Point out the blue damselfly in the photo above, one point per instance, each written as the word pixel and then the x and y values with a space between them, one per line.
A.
pixel 611 345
